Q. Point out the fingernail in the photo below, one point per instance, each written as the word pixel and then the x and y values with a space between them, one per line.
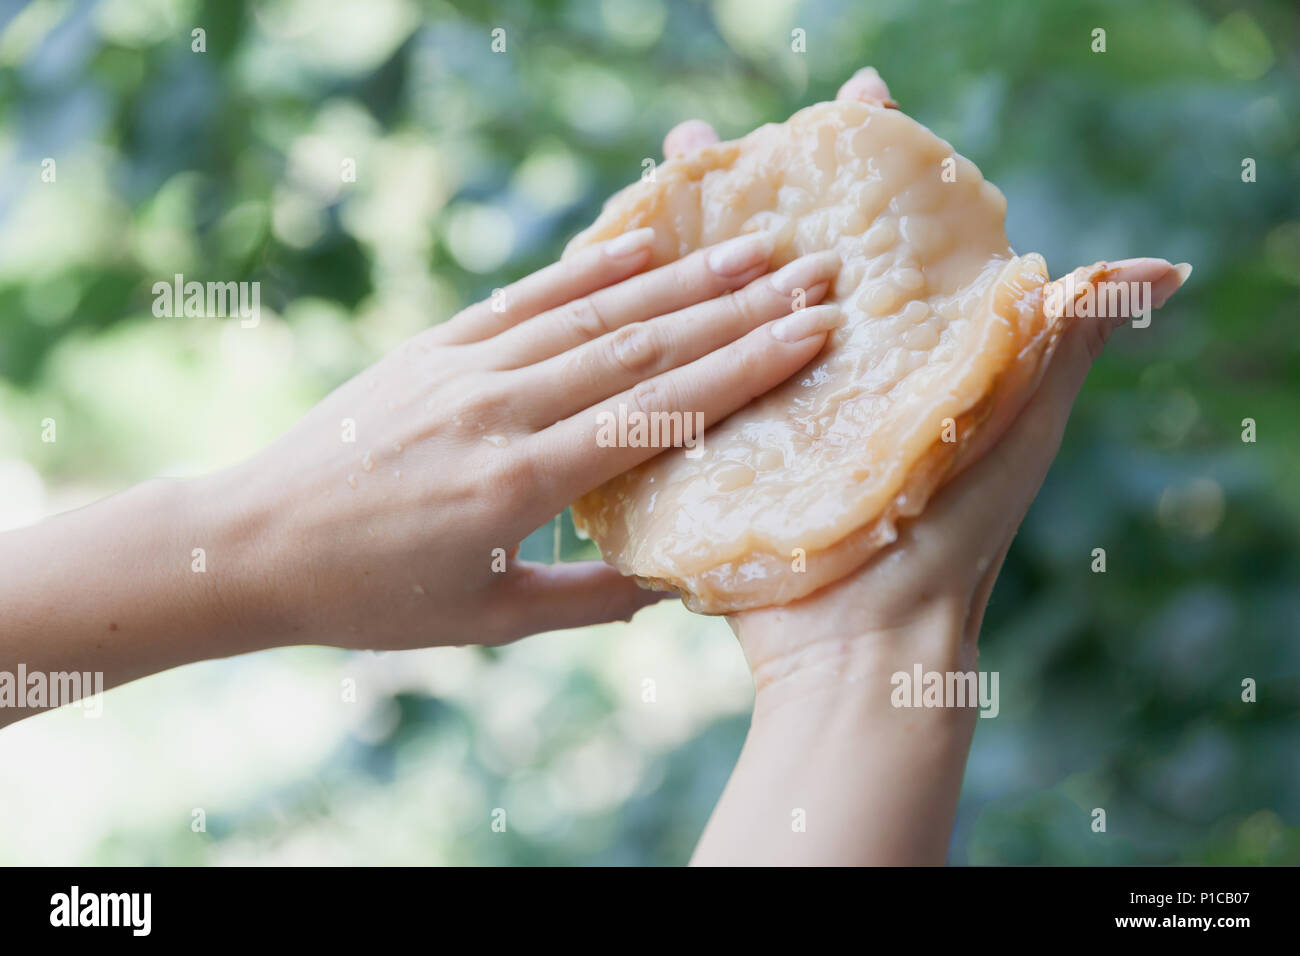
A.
pixel 688 136
pixel 815 294
pixel 1163 290
pixel 866 84
pixel 805 272
pixel 630 242
pixel 741 254
pixel 807 322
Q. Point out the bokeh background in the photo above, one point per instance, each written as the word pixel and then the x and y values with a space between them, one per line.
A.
pixel 1119 690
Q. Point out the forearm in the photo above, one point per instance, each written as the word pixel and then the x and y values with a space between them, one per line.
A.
pixel 117 589
pixel 832 772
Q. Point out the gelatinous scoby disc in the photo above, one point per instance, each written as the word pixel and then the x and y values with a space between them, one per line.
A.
pixel 944 326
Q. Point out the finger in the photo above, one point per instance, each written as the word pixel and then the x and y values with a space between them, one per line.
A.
pixel 1084 338
pixel 704 274
pixel 574 456
pixel 579 275
pixel 1129 287
pixel 1021 447
pixel 585 376
pixel 867 86
pixel 688 137
pixel 550 597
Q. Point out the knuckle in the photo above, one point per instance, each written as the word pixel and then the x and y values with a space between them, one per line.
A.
pixel 582 316
pixel 509 480
pixel 752 364
pixel 485 403
pixel 635 348
pixel 754 353
pixel 685 280
pixel 493 406
pixel 459 422
pixel 742 307
pixel 425 340
pixel 652 395
pixel 697 282
pixel 435 343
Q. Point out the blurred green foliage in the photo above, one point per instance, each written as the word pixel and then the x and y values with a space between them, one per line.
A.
pixel 1119 690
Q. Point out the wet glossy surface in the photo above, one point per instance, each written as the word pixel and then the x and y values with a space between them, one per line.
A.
pixel 804 484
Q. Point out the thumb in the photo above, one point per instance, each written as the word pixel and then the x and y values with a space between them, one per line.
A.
pixel 551 597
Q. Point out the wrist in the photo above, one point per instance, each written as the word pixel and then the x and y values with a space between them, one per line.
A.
pixel 805 660
pixel 832 744
pixel 235 532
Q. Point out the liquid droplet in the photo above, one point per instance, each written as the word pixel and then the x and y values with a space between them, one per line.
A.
pixel 416 589
pixel 499 441
pixel 367 462
pixel 398 473
pixel 352 481
pixel 398 446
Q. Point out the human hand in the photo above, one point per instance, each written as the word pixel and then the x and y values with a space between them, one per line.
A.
pixel 877 783
pixel 477 432
pixel 942 567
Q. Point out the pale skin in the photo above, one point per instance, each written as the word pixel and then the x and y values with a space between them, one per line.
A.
pixel 468 437
pixel 869 782
pixel 478 431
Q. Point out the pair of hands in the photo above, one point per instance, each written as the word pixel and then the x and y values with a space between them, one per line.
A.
pixel 389 517
pixel 476 432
